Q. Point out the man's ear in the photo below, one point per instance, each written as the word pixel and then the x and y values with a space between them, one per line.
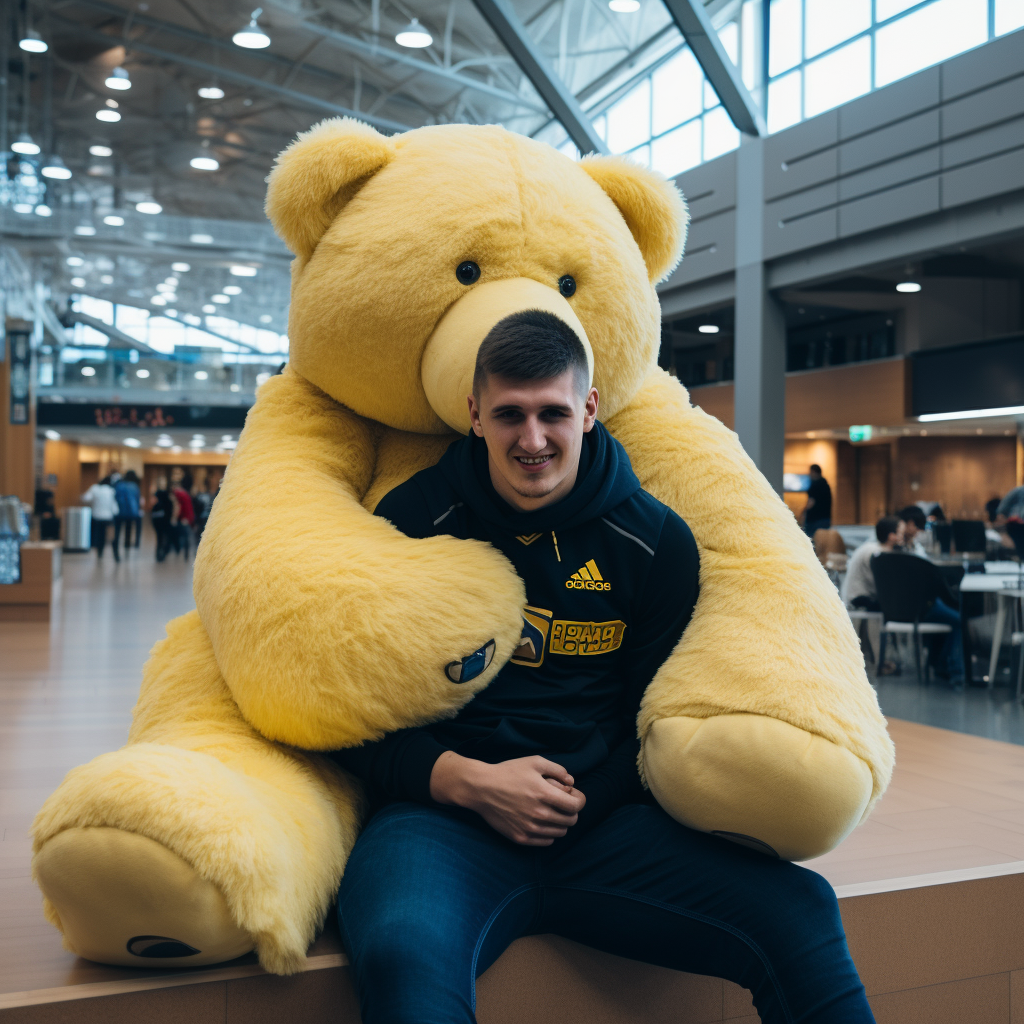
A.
pixel 653 208
pixel 318 174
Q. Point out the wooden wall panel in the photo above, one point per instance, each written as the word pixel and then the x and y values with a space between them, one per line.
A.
pixel 960 473
pixel 830 399
pixel 17 474
pixel 62 460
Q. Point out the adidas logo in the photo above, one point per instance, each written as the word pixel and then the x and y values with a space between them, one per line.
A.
pixel 587 578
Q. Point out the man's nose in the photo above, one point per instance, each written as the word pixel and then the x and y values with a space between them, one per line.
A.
pixel 532 438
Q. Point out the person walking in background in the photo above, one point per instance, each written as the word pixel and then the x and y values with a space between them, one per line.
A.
pixel 126 491
pixel 202 502
pixel 162 516
pixel 103 502
pixel 818 511
pixel 185 514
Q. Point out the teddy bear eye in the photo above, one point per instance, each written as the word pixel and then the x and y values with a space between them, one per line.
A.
pixel 567 285
pixel 468 272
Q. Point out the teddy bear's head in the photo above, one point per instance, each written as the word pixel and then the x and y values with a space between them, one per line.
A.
pixel 409 249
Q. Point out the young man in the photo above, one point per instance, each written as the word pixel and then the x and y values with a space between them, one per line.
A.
pixel 524 813
pixel 818 511
pixel 859 585
pixel 914 526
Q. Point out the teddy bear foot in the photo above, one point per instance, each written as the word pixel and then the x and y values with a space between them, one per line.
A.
pixel 124 899
pixel 757 781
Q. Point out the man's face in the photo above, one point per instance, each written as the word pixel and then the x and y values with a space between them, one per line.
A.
pixel 534 432
pixel 896 539
pixel 910 530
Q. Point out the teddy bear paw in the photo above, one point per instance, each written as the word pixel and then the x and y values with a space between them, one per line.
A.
pixel 122 898
pixel 757 781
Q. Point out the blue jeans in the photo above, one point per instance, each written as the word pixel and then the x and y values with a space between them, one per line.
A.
pixel 952 653
pixel 432 896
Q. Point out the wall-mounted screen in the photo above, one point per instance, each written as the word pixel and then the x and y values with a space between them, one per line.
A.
pixel 795 482
pixel 985 375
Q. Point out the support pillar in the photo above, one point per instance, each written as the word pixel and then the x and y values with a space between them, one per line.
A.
pixel 760 331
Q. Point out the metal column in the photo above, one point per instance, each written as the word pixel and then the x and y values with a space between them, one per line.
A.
pixel 760 333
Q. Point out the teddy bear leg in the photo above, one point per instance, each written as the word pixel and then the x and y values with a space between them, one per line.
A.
pixel 757 781
pixel 198 841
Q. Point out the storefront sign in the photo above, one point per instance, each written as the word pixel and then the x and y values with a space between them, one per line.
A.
pixel 90 414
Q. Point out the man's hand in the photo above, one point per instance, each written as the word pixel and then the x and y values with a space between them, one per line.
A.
pixel 529 800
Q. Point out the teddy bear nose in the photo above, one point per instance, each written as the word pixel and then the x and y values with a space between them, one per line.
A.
pixel 446 370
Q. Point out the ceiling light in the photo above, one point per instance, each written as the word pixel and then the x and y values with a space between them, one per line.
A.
pixel 101 151
pixel 180 268
pixel 209 309
pixel 170 279
pixel 228 444
pixel 150 207
pixel 24 145
pixel 624 6
pixel 201 239
pixel 142 374
pixel 232 289
pixel 23 207
pixel 113 104
pixel 118 79
pixel 176 448
pixel 1006 410
pixel 171 312
pixel 33 42
pixel 51 435
pixel 75 261
pixel 908 286
pixel 414 35
pixel 78 282
pixel 201 375
pixel 85 229
pixel 211 92
pixel 708 328
pixel 158 300
pixel 235 387
pixel 262 378
pixel 88 371
pixel 133 442
pixel 242 271
pixel 42 210
pixel 226 437
pixel 108 115
pixel 164 442
pixel 163 286
pixel 55 168
pixel 266 318
pixel 113 220
pixel 106 279
pixel 220 298
pixel 252 37
pixel 204 163
pixel 195 444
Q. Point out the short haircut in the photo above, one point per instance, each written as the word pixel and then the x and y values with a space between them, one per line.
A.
pixel 885 526
pixel 913 514
pixel 531 345
pixel 815 468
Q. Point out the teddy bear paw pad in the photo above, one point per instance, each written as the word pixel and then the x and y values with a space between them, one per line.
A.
pixel 125 899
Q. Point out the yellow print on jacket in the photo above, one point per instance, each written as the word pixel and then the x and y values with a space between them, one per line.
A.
pixel 586 637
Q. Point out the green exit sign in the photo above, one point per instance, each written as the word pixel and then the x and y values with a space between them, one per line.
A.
pixel 862 433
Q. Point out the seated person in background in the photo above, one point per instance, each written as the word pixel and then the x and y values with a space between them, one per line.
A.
pixel 914 524
pixel 818 511
pixel 859 586
pixel 1010 516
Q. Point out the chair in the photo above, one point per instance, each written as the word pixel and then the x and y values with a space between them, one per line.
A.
pixel 860 617
pixel 906 586
pixel 944 535
pixel 829 542
pixel 1015 531
pixel 969 535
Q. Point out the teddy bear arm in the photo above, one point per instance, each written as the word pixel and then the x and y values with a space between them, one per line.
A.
pixel 761 723
pixel 330 626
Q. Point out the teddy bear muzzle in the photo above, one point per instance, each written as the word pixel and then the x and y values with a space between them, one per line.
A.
pixel 450 355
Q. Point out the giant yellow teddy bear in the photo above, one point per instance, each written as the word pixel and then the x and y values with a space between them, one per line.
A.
pixel 317 626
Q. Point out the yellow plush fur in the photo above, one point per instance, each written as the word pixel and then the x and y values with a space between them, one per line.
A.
pixel 320 626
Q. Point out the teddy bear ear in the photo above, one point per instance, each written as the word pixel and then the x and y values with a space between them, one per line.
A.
pixel 318 174
pixel 653 208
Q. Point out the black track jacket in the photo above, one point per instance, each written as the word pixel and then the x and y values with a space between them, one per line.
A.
pixel 611 581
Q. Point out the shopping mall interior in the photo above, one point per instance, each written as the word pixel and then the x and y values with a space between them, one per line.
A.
pixel 847 320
